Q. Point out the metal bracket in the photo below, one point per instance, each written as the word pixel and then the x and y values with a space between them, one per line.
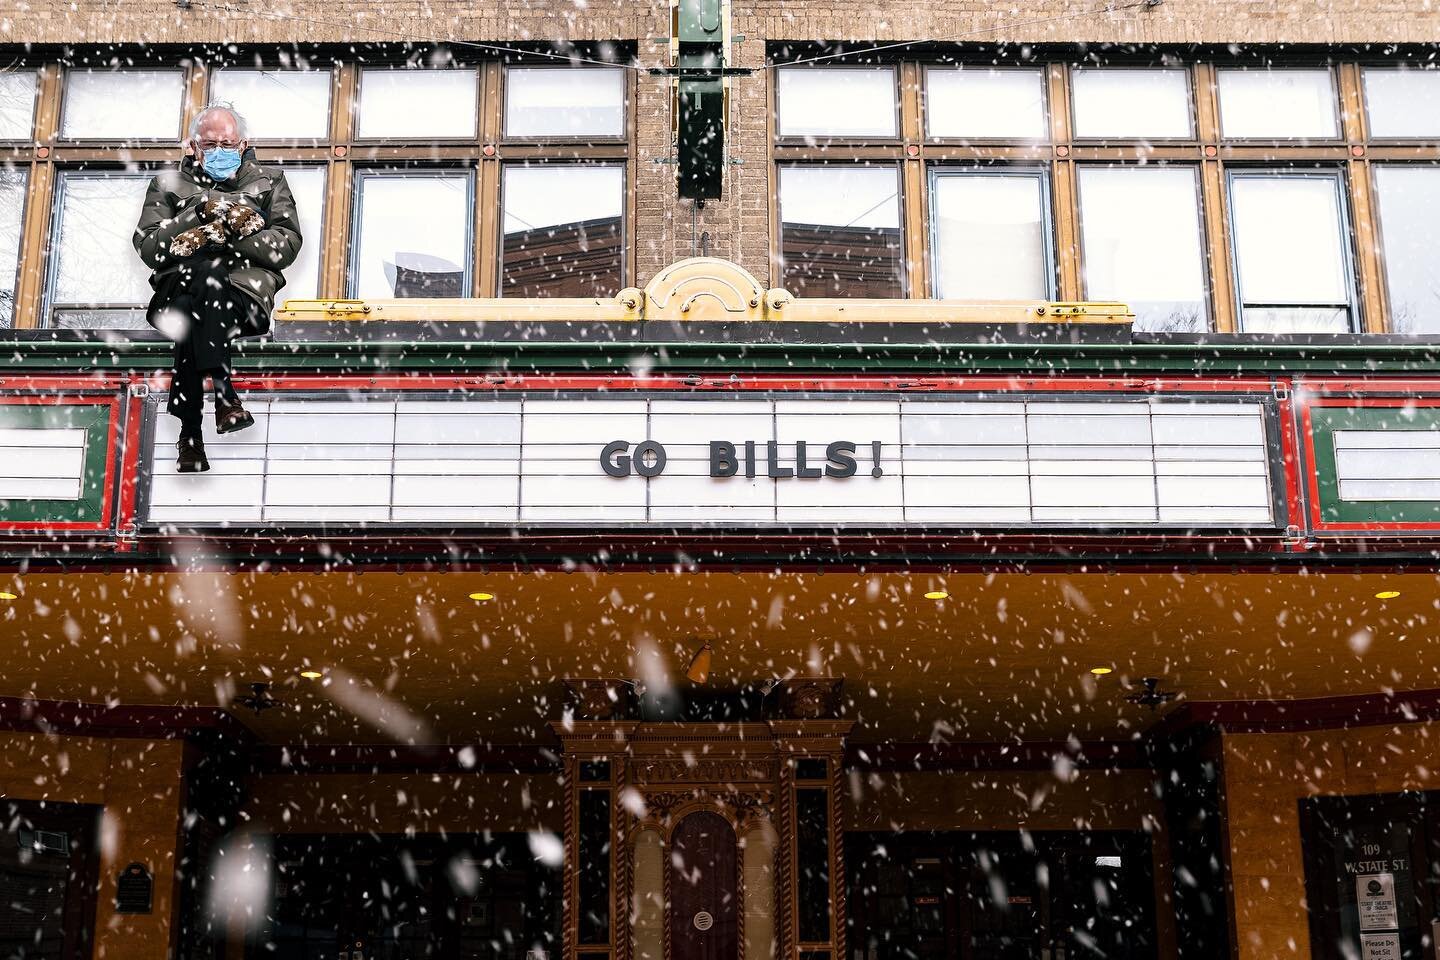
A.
pixel 139 389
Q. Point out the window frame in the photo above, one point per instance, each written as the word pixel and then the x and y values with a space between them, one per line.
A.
pixel 1364 91
pixel 34 111
pixel 1049 246
pixel 805 140
pixel 1337 113
pixel 1378 222
pixel 1347 244
pixel 506 137
pixel 1047 135
pixel 499 220
pixel 282 142
pixel 778 256
pixel 374 171
pixel 1191 105
pixel 52 261
pixel 182 118
pixel 1206 288
pixel 404 142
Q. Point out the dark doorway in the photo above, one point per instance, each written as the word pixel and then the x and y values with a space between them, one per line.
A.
pixel 1000 896
pixel 48 873
pixel 704 885
pixel 461 897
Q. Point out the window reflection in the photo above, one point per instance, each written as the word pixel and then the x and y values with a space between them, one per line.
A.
pixel 17 104
pixel 278 104
pixel 563 231
pixel 122 105
pixel 822 102
pixel 412 234
pixel 302 279
pixel 1140 235
pixel 12 214
pixel 399 104
pixel 1409 202
pixel 985 103
pixel 840 231
pixel 1290 252
pixel 565 102
pixel 992 234
pixel 1132 103
pixel 97 280
pixel 1279 104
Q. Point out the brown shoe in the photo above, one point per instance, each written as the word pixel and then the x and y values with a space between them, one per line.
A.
pixel 230 419
pixel 191 455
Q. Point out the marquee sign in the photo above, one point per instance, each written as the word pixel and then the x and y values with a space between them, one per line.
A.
pixel 733 460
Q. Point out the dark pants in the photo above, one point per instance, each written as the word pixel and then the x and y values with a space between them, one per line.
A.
pixel 214 313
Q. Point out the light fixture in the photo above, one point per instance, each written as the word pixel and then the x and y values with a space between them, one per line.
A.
pixel 699 669
pixel 1387 594
pixel 937 595
pixel 1101 671
pixel 7 595
pixel 481 596
pixel 311 674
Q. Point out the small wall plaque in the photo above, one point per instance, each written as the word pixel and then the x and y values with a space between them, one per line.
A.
pixel 134 890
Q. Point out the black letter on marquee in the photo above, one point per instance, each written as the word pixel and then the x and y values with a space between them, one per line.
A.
pixel 772 454
pixel 646 449
pixel 750 459
pixel 841 457
pixel 722 459
pixel 615 466
pixel 801 470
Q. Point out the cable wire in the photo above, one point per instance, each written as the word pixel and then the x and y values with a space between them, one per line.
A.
pixel 246 10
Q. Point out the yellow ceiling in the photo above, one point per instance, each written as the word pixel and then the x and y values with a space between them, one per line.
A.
pixel 410 657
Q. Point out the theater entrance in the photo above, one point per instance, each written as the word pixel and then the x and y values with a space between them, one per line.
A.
pixel 1000 896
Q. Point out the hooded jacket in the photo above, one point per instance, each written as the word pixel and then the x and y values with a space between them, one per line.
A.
pixel 172 205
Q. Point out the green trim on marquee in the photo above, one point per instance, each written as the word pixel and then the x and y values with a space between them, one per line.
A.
pixel 1111 359
pixel 1325 421
pixel 94 419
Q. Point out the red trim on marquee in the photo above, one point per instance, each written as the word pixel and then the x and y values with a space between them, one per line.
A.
pixel 112 401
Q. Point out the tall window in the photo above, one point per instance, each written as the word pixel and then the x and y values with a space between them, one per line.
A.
pixel 1291 252
pixel 1227 196
pixel 389 163
pixel 840 231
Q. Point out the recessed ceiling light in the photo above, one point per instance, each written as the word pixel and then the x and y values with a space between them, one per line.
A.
pixel 482 596
pixel 1101 671
pixel 7 595
pixel 311 674
pixel 1387 594
pixel 937 595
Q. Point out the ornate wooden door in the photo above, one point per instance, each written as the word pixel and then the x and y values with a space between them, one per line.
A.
pixel 704 895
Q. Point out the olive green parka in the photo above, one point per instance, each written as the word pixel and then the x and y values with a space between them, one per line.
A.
pixel 172 205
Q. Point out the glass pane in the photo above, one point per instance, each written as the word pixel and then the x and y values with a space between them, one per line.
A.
pixel 17 105
pixel 1402 102
pixel 564 102
pixel 812 849
pixel 95 262
pixel 1140 232
pixel 401 254
pixel 1409 200
pixel 1289 251
pixel 990 236
pixel 837 102
pixel 1132 104
pixel 985 103
pixel 840 231
pixel 563 235
pixel 308 185
pixel 122 105
pixel 594 867
pixel 1277 104
pixel 400 104
pixel 12 214
pixel 278 104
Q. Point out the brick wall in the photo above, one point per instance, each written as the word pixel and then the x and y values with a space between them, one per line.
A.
pixel 668 229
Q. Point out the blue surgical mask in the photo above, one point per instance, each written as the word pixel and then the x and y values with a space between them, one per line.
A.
pixel 221 163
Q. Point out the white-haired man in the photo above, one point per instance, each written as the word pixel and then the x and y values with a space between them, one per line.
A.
pixel 217 232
